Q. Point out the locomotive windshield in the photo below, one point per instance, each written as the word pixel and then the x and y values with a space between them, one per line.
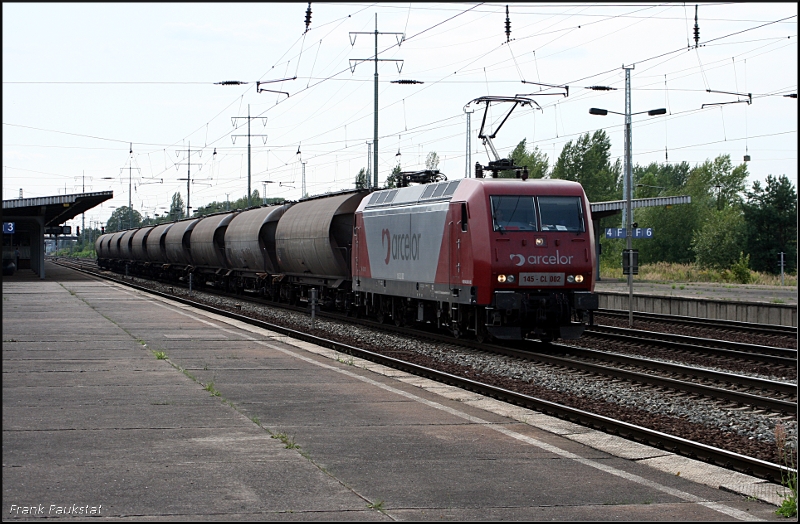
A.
pixel 513 213
pixel 561 213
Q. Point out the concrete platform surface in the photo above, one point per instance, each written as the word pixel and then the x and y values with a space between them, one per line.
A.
pixel 240 423
pixel 705 291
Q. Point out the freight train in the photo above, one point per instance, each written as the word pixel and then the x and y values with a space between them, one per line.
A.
pixel 492 258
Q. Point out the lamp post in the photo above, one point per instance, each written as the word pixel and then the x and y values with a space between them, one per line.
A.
pixel 628 179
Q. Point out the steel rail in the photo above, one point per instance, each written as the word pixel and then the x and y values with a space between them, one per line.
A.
pixel 767 329
pixel 764 354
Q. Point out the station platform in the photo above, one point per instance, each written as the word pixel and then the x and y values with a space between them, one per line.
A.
pixel 239 423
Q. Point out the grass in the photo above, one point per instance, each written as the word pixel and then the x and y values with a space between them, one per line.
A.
pixel 210 388
pixel 788 452
pixel 160 355
pixel 378 504
pixel 349 360
pixel 667 272
pixel 288 442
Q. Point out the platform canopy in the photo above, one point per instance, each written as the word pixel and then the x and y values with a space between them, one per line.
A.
pixel 613 207
pixel 606 209
pixel 32 215
pixel 55 210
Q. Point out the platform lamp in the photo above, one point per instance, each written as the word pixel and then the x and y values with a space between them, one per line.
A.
pixel 628 180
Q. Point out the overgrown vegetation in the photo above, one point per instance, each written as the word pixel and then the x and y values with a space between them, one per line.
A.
pixel 665 272
pixel 788 453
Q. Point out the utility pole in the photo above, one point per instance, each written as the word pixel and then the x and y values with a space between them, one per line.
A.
pixel 303 191
pixel 130 187
pixel 188 176
pixel 627 180
pixel 468 169
pixel 233 137
pixel 83 215
pixel 376 59
pixel 628 190
pixel 369 163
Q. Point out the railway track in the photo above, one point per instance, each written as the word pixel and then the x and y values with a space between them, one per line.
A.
pixel 722 348
pixel 717 324
pixel 781 399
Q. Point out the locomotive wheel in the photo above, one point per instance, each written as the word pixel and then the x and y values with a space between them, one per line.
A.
pixel 483 336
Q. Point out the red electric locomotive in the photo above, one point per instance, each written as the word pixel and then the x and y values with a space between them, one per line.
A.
pixel 502 258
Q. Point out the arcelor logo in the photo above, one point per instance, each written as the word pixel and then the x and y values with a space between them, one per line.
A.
pixel 404 246
pixel 552 260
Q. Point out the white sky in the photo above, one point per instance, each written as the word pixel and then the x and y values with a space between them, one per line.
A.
pixel 82 81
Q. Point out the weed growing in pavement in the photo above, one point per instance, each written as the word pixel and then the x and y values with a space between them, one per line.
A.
pixel 255 420
pixel 788 453
pixel 348 360
pixel 160 355
pixel 288 442
pixel 378 504
pixel 778 301
pixel 210 388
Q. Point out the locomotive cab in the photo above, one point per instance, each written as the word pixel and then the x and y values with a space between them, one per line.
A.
pixel 542 256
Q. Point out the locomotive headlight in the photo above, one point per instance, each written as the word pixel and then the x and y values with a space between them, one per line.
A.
pixel 501 278
pixel 570 279
pixel 511 278
pixel 578 278
pixel 540 242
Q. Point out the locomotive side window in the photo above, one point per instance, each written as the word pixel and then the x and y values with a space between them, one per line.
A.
pixel 561 213
pixel 513 213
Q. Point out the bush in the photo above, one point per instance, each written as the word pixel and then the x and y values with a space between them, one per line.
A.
pixel 741 270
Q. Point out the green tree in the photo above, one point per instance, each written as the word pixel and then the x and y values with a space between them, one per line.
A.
pixel 121 220
pixel 432 161
pixel 673 225
pixel 717 183
pixel 587 161
pixel 770 214
pixel 536 161
pixel 392 179
pixel 719 241
pixel 176 208
pixel 362 182
pixel 660 179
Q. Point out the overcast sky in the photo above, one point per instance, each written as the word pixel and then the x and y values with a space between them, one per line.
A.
pixel 82 82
